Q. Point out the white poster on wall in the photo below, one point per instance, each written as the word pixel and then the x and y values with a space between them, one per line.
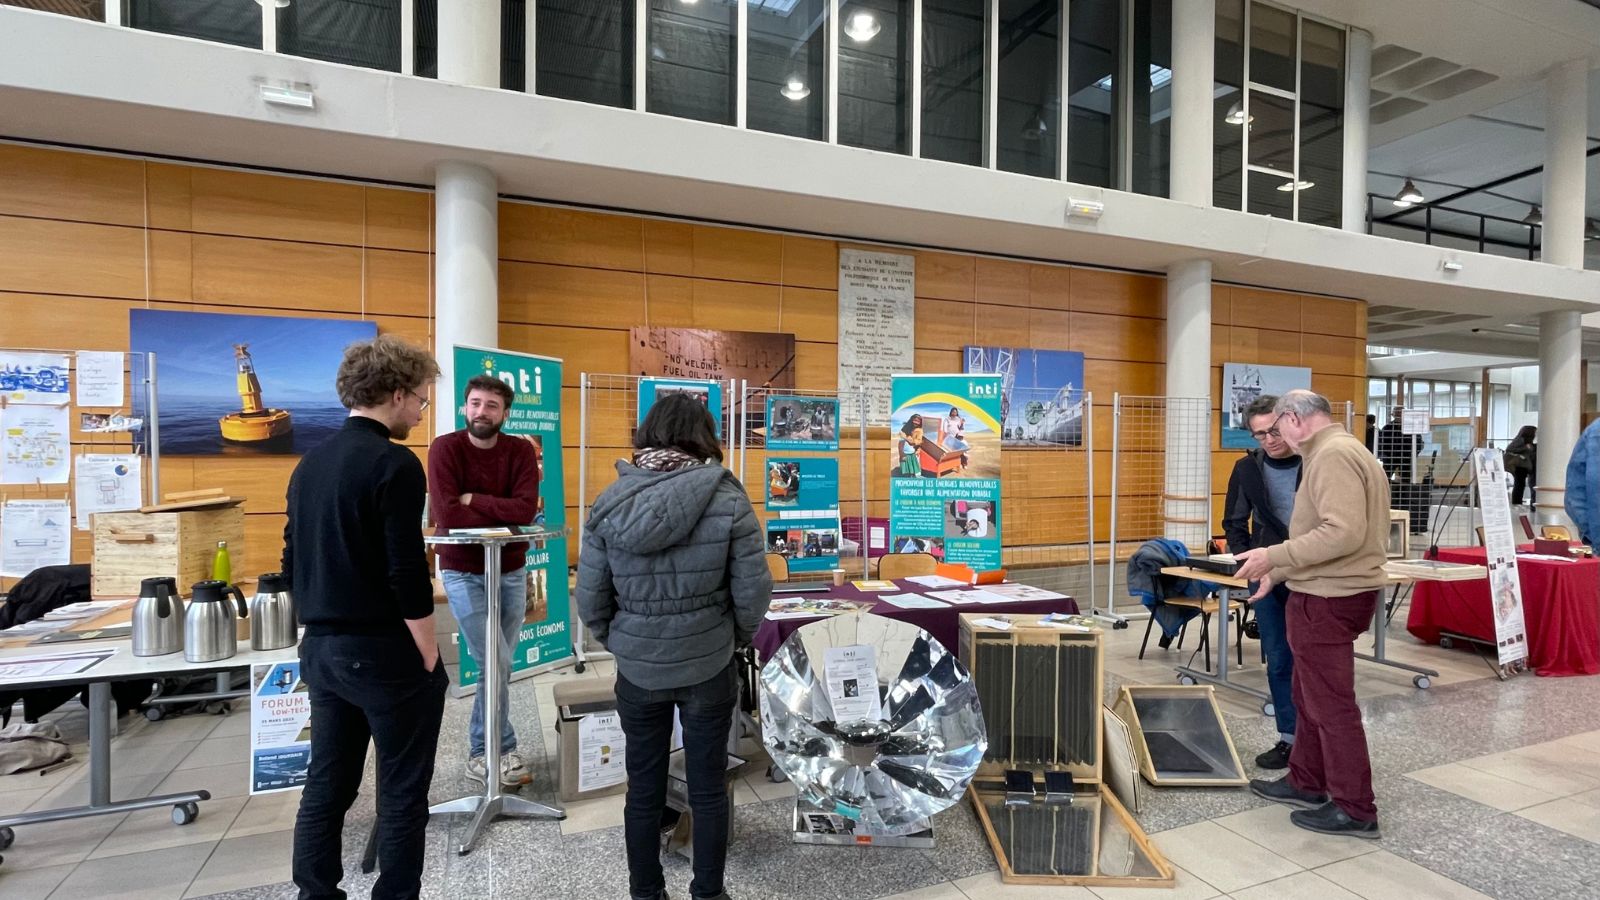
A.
pixel 1500 546
pixel 108 482
pixel 35 444
pixel 33 377
pixel 877 326
pixel 34 534
pixel 99 378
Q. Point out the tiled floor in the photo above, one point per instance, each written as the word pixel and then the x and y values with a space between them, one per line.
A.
pixel 1486 789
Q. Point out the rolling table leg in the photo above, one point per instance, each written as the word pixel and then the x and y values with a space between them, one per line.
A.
pixel 1190 675
pixel 1423 678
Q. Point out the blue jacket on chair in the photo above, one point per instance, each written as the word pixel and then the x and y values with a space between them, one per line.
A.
pixel 1146 582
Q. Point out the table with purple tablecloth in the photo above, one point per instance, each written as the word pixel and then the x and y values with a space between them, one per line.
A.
pixel 944 625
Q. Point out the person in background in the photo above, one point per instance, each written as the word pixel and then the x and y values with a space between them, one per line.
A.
pixel 671 579
pixel 1259 506
pixel 479 478
pixel 1371 435
pixel 1522 459
pixel 1333 563
pixel 1398 450
pixel 1582 498
pixel 353 554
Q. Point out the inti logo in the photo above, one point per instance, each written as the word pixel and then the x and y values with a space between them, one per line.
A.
pixel 988 389
pixel 520 380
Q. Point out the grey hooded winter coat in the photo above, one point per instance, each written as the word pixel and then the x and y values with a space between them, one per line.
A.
pixel 673 573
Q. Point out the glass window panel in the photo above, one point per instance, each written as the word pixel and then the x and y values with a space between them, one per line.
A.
pixel 691 56
pixel 514 45
pixel 788 61
pixel 875 74
pixel 1272 46
pixel 585 50
pixel 1029 127
pixel 1094 58
pixel 954 37
pixel 1322 123
pixel 224 21
pixel 1265 198
pixel 1227 117
pixel 1271 129
pixel 78 9
pixel 362 33
pixel 1152 95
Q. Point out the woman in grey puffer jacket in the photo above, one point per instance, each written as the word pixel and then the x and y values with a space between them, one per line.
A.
pixel 671 578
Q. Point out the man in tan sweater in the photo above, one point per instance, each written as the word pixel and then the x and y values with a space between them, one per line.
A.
pixel 1333 564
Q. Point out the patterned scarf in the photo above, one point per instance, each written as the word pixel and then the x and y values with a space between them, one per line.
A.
pixel 664 459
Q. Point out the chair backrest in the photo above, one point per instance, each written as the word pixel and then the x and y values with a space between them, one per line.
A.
pixel 1555 533
pixel 778 565
pixel 905 565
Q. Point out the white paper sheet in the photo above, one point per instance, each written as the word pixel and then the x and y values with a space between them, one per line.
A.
pixel 34 533
pixel 35 445
pixel 936 581
pixel 852 679
pixel 968 597
pixel 35 378
pixel 602 751
pixel 21 668
pixel 100 378
pixel 1023 592
pixel 1001 624
pixel 913 601
pixel 107 483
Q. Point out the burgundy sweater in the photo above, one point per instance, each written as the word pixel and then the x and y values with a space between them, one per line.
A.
pixel 504 483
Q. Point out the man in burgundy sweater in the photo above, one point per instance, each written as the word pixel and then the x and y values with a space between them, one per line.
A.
pixel 478 478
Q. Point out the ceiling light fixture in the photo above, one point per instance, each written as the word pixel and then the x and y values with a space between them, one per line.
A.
pixel 1290 186
pixel 1408 195
pixel 1037 127
pixel 1236 114
pixel 1535 216
pixel 796 90
pixel 862 27
pixel 1591 231
pixel 274 4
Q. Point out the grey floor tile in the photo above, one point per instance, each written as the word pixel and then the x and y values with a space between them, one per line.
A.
pixel 1569 815
pixel 221 782
pixel 178 729
pixel 58 843
pixel 1188 887
pixel 1384 876
pixel 1269 827
pixel 32 884
pixel 156 875
pixel 982 887
pixel 257 860
pixel 1300 886
pixel 266 813
pixel 153 829
pixel 1221 858
pixel 76 792
pixel 217 751
pixel 233 724
pixel 1482 787
pixel 12 802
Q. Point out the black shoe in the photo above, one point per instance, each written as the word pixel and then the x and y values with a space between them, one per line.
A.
pixel 1330 819
pixel 1164 641
pixel 1276 758
pixel 1281 791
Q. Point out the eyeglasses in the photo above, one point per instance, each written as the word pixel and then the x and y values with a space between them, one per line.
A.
pixel 421 399
pixel 1272 431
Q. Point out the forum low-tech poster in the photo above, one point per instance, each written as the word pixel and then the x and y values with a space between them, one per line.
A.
pixel 944 468
pixel 535 416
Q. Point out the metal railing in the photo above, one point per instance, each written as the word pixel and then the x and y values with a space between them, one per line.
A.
pixel 1429 231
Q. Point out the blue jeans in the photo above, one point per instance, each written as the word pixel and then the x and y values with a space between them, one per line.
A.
pixel 467 603
pixel 1271 621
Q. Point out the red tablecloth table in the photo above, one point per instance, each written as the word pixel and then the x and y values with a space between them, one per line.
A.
pixel 1560 604
pixel 944 625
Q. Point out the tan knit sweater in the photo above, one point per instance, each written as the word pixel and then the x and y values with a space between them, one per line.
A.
pixel 1339 532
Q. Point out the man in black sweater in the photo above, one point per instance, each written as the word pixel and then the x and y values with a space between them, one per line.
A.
pixel 353 554
pixel 1260 501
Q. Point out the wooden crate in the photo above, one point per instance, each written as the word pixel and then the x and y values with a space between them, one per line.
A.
pixel 1109 862
pixel 1026 712
pixel 1205 696
pixel 132 546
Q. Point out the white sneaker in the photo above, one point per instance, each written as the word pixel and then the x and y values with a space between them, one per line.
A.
pixel 476 769
pixel 513 771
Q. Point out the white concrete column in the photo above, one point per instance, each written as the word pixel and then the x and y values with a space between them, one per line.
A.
pixel 1357 124
pixel 1187 506
pixel 469 42
pixel 466 274
pixel 1566 116
pixel 1560 396
pixel 1194 48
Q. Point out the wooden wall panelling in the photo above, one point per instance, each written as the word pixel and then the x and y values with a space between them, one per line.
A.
pixel 1049 329
pixel 1002 282
pixel 810 262
pixel 943 276
pixel 233 271
pixel 171 265
pixel 944 324
pixel 1124 338
pixel 279 207
pixel 735 305
pixel 584 349
pixel 87 323
pixel 1001 326
pixel 816 366
pixel 668 302
pixel 668 247
pixel 939 361
pixel 809 314
pixel 737 254
pixel 1050 287
pixel 1118 294
pixel 398 219
pixel 1330 316
pixel 571 237
pixel 46 256
pixel 1265 309
pixel 396 283
pixel 78 187
pixel 542 294
pixel 1104 378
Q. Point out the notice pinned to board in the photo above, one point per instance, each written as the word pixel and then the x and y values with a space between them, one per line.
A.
pixel 602 752
pixel 852 679
pixel 35 444
pixel 100 378
pixel 1415 421
pixel 34 534
pixel 33 377
pixel 110 482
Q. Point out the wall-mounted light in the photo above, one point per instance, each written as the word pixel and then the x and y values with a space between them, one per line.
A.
pixel 284 95
pixel 1085 209
pixel 1451 265
pixel 1408 195
pixel 795 90
pixel 862 27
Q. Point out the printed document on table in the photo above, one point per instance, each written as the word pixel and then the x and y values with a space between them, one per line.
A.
pixel 23 668
pixel 99 378
pixel 912 601
pixel 602 752
pixel 936 581
pixel 965 597
pixel 852 679
pixel 1023 592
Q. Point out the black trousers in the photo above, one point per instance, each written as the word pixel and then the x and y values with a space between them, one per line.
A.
pixel 706 712
pixel 1519 484
pixel 367 688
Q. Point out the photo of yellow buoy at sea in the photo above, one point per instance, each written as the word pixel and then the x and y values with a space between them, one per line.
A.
pixel 253 422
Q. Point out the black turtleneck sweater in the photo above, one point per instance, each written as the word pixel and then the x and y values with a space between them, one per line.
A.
pixel 352 549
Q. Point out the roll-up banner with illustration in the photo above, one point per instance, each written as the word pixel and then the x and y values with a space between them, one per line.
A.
pixel 944 468
pixel 535 416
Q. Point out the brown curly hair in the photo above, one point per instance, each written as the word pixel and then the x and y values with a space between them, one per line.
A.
pixel 372 370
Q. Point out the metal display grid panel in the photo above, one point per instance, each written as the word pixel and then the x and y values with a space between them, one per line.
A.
pixel 1160 476
pixel 1048 498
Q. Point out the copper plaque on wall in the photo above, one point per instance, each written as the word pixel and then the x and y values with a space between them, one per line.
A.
pixel 759 357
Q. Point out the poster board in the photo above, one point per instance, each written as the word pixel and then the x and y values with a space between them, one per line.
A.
pixel 944 468
pixel 1500 547
pixel 1041 393
pixel 280 728
pixel 536 416
pixel 877 324
pixel 1242 383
